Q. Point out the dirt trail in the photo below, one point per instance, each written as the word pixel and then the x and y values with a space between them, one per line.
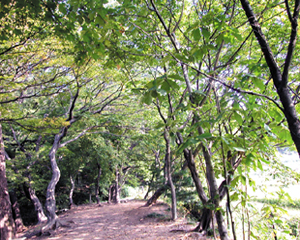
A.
pixel 120 222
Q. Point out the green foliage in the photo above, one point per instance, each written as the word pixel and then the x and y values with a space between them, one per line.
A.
pixel 294 204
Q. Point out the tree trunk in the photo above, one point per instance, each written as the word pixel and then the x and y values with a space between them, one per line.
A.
pixel 214 192
pixel 97 184
pixel 205 220
pixel 169 175
pixel 6 218
pixel 189 158
pixel 16 212
pixel 50 196
pixel 149 187
pixel 156 195
pixel 71 204
pixel 110 193
pixel 117 190
pixel 41 217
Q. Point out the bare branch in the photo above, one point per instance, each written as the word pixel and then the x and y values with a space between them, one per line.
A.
pixel 288 10
pixel 85 131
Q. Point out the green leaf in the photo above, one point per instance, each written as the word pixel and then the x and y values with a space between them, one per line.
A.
pixel 238 118
pixel 234 197
pixel 243 179
pixel 239 149
pixel 198 54
pixel 147 99
pixel 236 33
pixel 248 161
pixel 205 33
pixel 196 34
pixel 176 77
pixel 234 181
pixel 183 146
pixel 166 86
pixel 173 84
pixel 278 221
pixel 258 83
pixel 99 20
pixel 259 165
pixel 154 93
pixel 203 136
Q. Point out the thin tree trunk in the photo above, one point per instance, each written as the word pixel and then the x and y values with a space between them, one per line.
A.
pixel 6 218
pixel 149 186
pixel 41 217
pixel 50 196
pixel 97 184
pixel 169 175
pixel 71 203
pixel 214 192
pixel 117 192
pixel 110 193
pixel 19 226
pixel 189 158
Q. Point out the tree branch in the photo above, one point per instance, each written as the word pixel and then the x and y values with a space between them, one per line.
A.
pixel 274 69
pixel 75 138
pixel 292 43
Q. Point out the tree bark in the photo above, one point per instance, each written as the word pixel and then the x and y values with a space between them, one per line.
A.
pixel 6 218
pixel 71 204
pixel 169 175
pixel 50 196
pixel 19 226
pixel 37 206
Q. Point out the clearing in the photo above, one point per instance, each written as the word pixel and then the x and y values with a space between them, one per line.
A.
pixel 130 220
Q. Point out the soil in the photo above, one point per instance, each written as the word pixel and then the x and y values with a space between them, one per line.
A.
pixel 130 220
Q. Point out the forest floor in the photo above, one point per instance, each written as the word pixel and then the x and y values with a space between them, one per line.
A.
pixel 130 220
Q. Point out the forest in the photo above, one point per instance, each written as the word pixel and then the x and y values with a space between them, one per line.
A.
pixel 187 100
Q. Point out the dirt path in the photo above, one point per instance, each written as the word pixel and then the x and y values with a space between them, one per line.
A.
pixel 120 222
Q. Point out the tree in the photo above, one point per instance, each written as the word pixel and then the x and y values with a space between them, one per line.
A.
pixel 7 223
pixel 280 77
